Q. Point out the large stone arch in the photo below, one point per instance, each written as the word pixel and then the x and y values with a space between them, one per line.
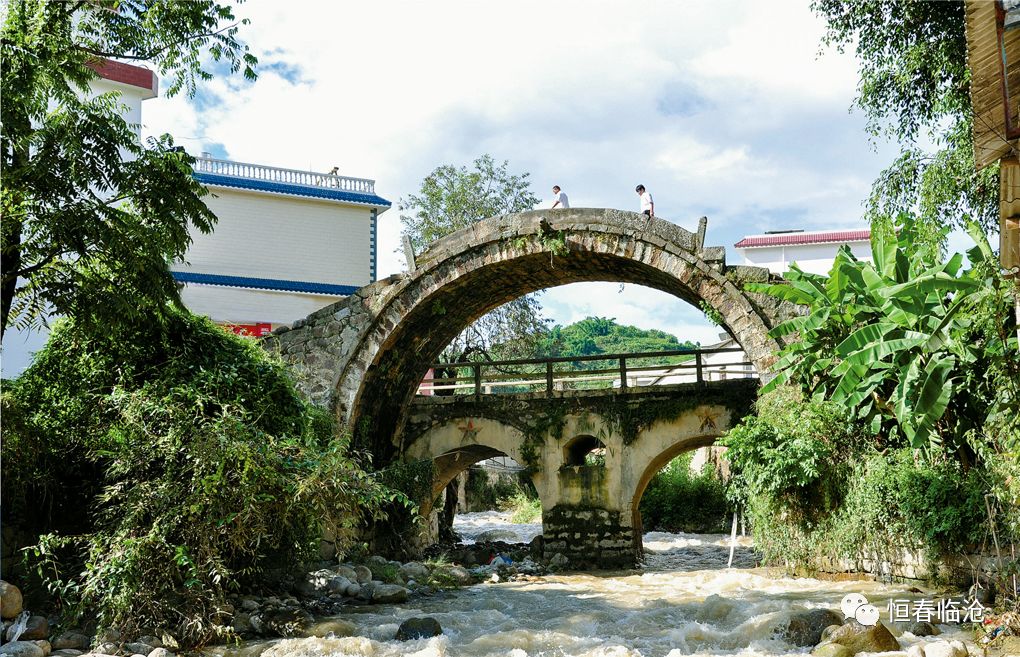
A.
pixel 365 356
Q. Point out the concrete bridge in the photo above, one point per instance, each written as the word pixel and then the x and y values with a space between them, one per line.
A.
pixel 365 356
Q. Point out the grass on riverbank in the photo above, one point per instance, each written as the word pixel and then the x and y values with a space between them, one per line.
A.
pixel 523 509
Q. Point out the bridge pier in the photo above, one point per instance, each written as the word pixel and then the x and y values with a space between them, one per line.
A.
pixel 589 537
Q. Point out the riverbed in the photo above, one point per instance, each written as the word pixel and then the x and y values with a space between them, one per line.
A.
pixel 683 601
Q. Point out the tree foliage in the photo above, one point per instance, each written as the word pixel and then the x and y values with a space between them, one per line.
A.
pixel 913 84
pixel 163 465
pixel 907 343
pixel 452 198
pixel 91 216
pixel 603 335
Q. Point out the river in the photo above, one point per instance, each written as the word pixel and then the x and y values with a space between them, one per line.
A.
pixel 684 601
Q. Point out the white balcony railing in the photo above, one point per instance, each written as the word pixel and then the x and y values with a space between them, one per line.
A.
pixel 287 176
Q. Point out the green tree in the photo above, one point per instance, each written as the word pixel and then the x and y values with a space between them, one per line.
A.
pixel 91 216
pixel 451 198
pixel 914 347
pixel 914 84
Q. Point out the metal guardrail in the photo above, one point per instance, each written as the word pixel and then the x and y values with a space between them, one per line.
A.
pixel 542 373
pixel 288 176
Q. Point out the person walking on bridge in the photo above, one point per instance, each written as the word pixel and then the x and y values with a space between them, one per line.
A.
pixel 559 198
pixel 647 204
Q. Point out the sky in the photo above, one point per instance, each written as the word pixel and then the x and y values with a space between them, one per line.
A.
pixel 720 108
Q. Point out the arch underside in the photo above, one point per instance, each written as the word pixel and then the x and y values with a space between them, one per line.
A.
pixel 458 289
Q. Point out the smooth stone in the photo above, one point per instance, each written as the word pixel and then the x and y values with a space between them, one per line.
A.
pixel 461 575
pixel 860 638
pixel 418 628
pixel 249 604
pixel 338 584
pixel 805 628
pixel 376 560
pixel 72 640
pixel 67 652
pixel 108 648
pixel 45 645
pixel 831 650
pixel 490 535
pixel 38 628
pixel 363 574
pixel 352 590
pixel 414 570
pixel 155 642
pixel 388 594
pixel 923 628
pixel 160 652
pixel 138 648
pixel 916 650
pixel 11 602
pixel 336 627
pixel 348 572
pixel 22 649
pixel 945 649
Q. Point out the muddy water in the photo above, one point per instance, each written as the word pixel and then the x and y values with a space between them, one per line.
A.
pixel 683 602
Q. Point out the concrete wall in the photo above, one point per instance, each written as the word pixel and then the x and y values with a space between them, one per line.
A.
pixel 266 235
pixel 250 306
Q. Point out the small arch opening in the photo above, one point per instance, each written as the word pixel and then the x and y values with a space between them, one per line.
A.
pixel 584 451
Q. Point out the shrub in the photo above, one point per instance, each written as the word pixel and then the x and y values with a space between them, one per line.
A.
pixel 678 499
pixel 165 464
pixel 522 507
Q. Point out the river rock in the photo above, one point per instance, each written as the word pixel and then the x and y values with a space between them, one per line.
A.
pixel 916 650
pixel 714 608
pixel 558 561
pixel 376 560
pixel 861 638
pixel 338 584
pixel 414 570
pixel 460 575
pixel 241 623
pixel 945 649
pixel 336 627
pixel 418 628
pixel 38 628
pixel 161 652
pixel 108 648
pixel 922 628
pixel 22 649
pixel 11 602
pixel 150 640
pixel 137 648
pixel 249 604
pixel 352 590
pixel 343 570
pixel 805 628
pixel 286 622
pixel 496 535
pixel 831 650
pixel 363 574
pixel 314 582
pixel 67 652
pixel 45 645
pixel 72 640
pixel 108 636
pixel 388 594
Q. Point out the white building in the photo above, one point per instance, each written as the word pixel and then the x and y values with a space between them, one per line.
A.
pixel 286 243
pixel 813 251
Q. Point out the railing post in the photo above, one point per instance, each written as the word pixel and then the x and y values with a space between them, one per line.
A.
pixel 477 369
pixel 548 379
pixel 697 363
pixel 623 373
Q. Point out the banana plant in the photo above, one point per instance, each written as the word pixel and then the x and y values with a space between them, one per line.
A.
pixel 881 337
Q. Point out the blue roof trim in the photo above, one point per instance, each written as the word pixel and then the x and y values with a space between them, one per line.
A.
pixel 264 283
pixel 284 188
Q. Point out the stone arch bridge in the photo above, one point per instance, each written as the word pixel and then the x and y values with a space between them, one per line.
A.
pixel 365 356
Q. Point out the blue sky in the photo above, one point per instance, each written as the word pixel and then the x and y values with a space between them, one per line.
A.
pixel 723 109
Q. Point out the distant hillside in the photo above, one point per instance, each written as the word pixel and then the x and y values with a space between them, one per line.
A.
pixel 601 335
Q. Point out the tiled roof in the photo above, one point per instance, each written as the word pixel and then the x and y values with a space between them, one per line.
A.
pixel 134 76
pixel 820 237
pixel 264 283
pixel 297 190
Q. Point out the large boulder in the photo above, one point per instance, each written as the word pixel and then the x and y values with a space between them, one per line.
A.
pixel 22 649
pixel 38 628
pixel 388 594
pixel 922 628
pixel 343 570
pixel 286 622
pixel 418 628
pixel 490 535
pixel 862 638
pixel 11 602
pixel 805 628
pixel 338 584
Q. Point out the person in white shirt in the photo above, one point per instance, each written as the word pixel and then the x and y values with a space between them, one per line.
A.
pixel 647 204
pixel 560 198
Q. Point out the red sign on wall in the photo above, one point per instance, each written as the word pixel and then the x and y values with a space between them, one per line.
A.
pixel 259 330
